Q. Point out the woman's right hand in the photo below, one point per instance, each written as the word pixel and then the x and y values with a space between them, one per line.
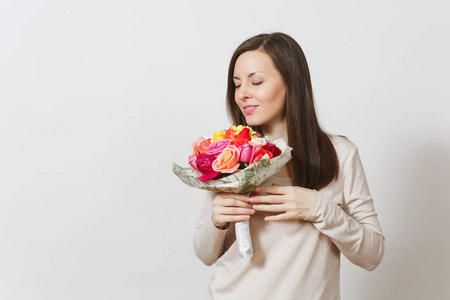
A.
pixel 230 207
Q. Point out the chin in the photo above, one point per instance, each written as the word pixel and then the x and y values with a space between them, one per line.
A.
pixel 251 122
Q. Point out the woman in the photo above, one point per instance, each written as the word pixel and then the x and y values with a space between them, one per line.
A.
pixel 318 206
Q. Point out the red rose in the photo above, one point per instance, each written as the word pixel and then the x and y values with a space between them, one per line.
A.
pixel 273 149
pixel 242 138
pixel 260 153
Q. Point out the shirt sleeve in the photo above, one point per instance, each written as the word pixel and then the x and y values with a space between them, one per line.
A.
pixel 354 227
pixel 209 241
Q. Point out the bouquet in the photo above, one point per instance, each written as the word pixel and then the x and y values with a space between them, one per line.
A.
pixel 236 160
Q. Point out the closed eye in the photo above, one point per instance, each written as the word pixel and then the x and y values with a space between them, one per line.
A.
pixel 257 83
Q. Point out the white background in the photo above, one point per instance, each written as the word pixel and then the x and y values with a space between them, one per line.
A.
pixel 99 97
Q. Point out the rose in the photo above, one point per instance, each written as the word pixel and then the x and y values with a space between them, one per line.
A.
pixel 239 128
pixel 236 129
pixel 227 161
pixel 230 133
pixel 217 136
pixel 203 164
pixel 256 134
pixel 246 153
pixel 216 148
pixel 199 146
pixel 272 148
pixel 243 137
pixel 193 162
pixel 258 142
pixel 260 153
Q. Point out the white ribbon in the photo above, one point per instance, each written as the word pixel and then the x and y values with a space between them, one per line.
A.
pixel 244 239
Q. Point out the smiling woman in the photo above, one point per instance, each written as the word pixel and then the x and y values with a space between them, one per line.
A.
pixel 260 91
pixel 317 207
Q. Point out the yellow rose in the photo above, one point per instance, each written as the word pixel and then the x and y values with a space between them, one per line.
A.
pixel 217 136
pixel 252 132
pixel 237 129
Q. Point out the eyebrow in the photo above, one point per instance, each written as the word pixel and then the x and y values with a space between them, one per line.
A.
pixel 249 75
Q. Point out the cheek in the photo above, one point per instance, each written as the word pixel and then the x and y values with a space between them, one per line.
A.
pixel 275 96
pixel 280 95
pixel 236 101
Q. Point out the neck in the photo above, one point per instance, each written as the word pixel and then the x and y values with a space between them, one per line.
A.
pixel 276 131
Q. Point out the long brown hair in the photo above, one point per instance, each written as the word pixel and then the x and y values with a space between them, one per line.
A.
pixel 314 159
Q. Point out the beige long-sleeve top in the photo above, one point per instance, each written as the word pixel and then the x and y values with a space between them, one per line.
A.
pixel 297 259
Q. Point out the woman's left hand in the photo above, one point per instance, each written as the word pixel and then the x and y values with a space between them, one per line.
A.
pixel 291 202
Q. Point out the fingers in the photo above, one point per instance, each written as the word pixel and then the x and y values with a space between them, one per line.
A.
pixel 286 202
pixel 270 208
pixel 224 210
pixel 271 194
pixel 228 207
pixel 223 201
pixel 222 221
pixel 272 199
pixel 221 216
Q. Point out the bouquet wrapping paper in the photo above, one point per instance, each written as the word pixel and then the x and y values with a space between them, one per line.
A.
pixel 243 182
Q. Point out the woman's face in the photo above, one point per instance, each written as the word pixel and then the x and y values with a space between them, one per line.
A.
pixel 260 90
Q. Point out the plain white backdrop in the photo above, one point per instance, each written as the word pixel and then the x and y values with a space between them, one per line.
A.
pixel 99 97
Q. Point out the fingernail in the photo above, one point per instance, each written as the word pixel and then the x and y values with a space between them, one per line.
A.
pixel 257 189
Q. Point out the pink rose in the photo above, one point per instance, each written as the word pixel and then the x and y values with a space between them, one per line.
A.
pixel 246 153
pixel 203 164
pixel 227 161
pixel 217 147
pixel 193 162
pixel 199 146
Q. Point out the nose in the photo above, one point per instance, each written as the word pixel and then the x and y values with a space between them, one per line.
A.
pixel 243 92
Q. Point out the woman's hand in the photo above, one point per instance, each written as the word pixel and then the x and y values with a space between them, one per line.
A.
pixel 229 207
pixel 291 202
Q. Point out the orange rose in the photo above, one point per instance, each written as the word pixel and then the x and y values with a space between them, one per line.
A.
pixel 227 161
pixel 199 146
pixel 230 133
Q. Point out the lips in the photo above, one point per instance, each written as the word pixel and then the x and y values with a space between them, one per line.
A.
pixel 248 109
